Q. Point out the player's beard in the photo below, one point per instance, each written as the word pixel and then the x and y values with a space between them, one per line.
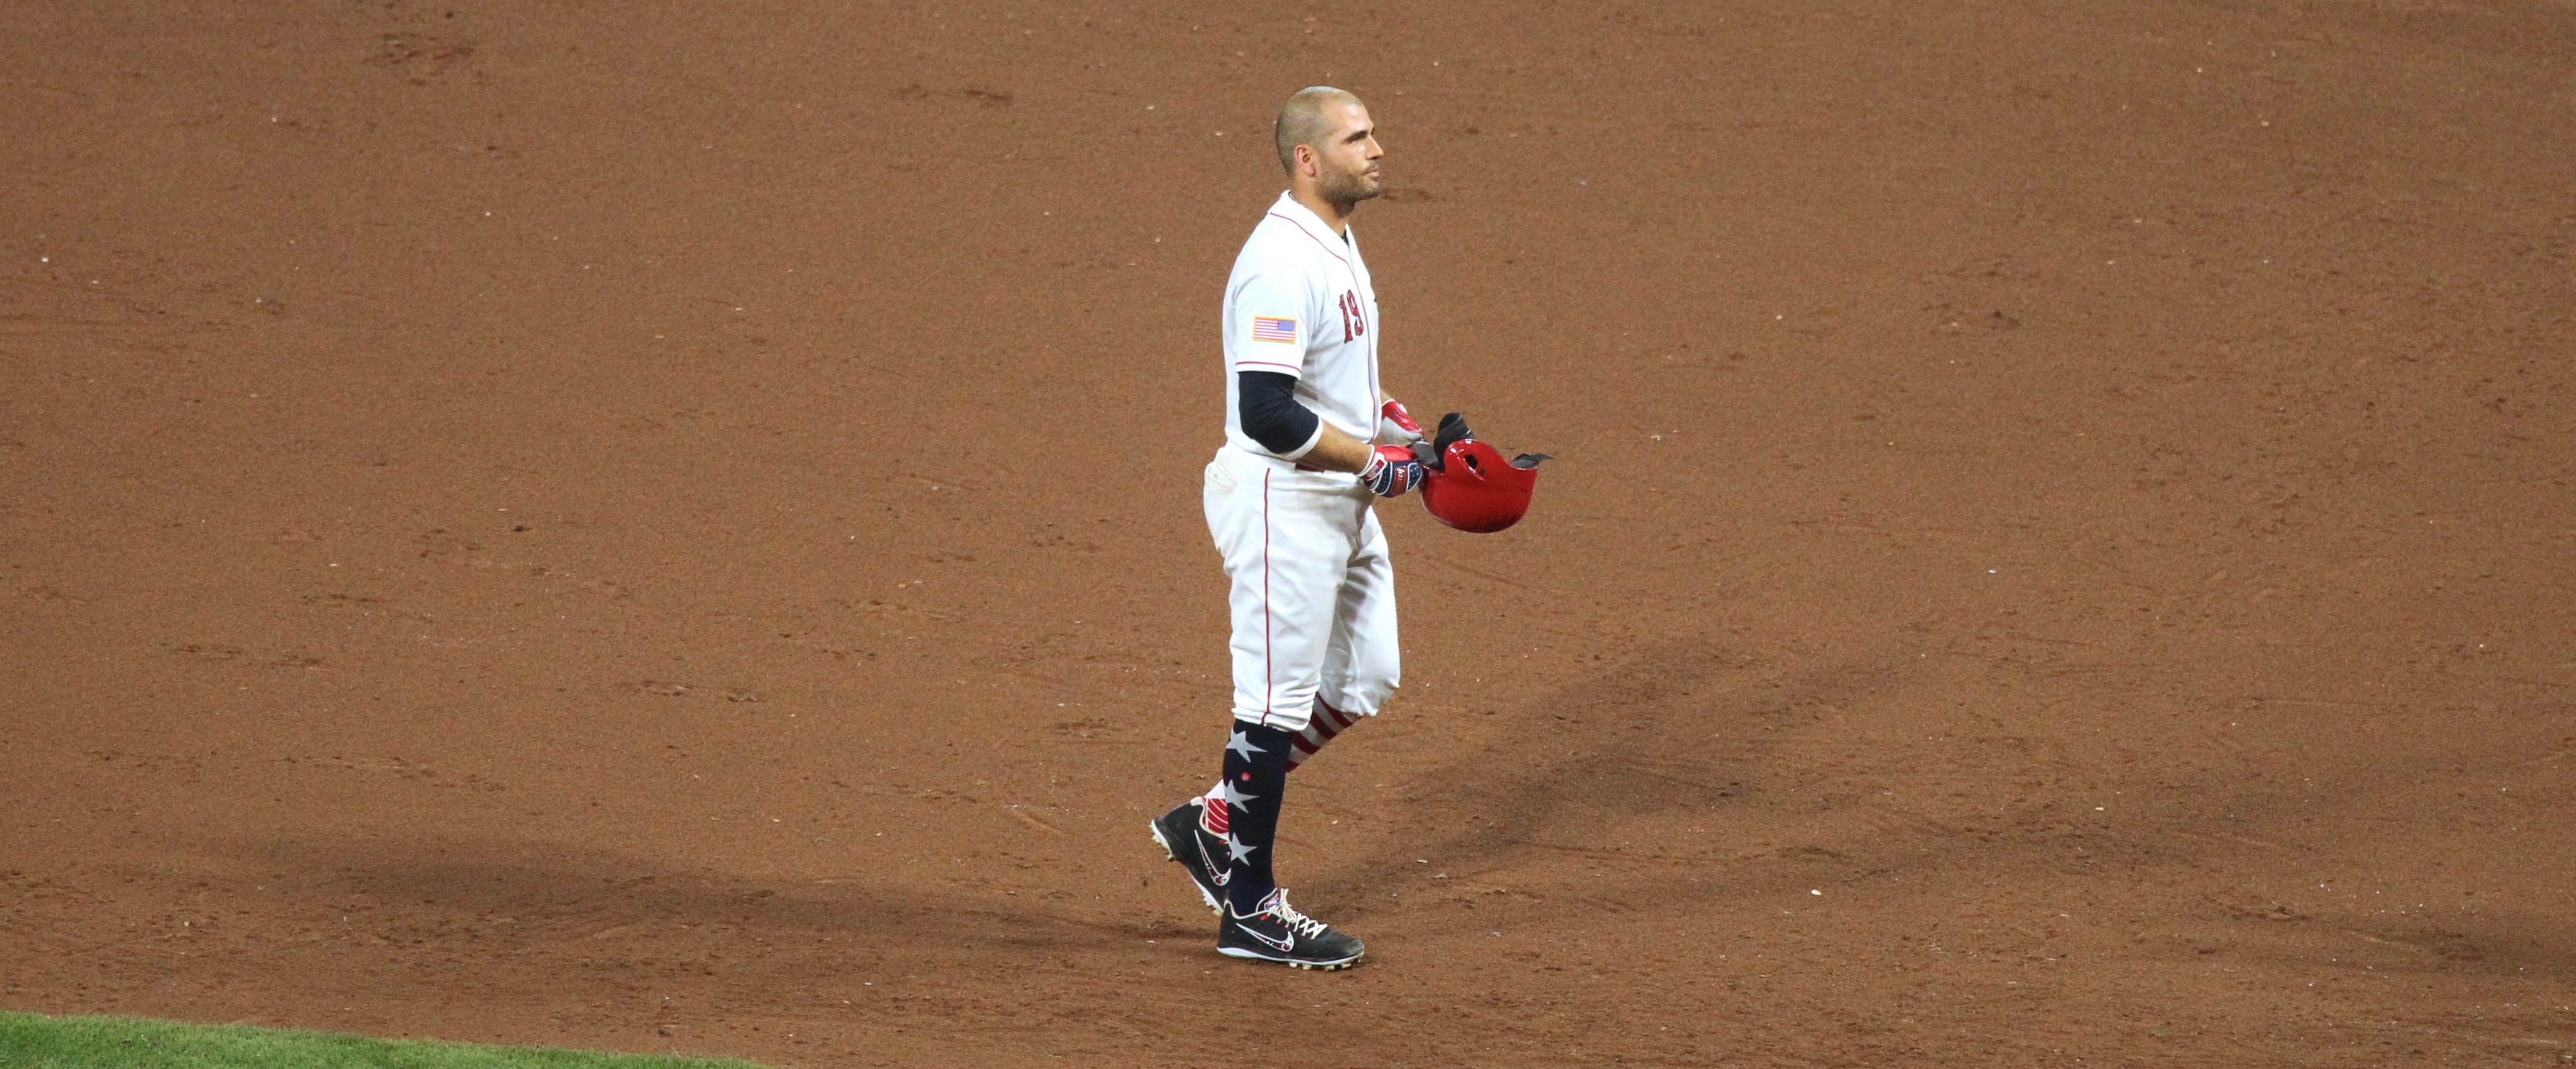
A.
pixel 1348 188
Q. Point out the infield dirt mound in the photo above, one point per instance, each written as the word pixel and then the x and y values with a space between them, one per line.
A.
pixel 677 528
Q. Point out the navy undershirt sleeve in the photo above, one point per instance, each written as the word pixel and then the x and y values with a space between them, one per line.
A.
pixel 1267 403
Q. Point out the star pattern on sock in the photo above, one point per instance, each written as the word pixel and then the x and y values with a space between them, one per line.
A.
pixel 1243 746
pixel 1226 793
pixel 1236 850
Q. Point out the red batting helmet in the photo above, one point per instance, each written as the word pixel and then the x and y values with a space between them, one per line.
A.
pixel 1468 485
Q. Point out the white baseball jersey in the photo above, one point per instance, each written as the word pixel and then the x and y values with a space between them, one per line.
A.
pixel 1299 303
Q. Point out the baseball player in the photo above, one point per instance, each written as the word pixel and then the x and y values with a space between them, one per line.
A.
pixel 1310 443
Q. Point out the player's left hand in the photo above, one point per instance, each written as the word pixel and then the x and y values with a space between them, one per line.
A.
pixel 1396 423
pixel 1391 471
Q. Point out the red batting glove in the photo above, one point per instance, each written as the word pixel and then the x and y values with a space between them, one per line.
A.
pixel 1391 471
pixel 1393 412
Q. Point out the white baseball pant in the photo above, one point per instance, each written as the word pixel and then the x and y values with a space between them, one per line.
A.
pixel 1313 593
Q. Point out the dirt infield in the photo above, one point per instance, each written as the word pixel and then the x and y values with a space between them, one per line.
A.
pixel 678 530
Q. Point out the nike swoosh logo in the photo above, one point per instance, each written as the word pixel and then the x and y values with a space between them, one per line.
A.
pixel 1217 874
pixel 1285 946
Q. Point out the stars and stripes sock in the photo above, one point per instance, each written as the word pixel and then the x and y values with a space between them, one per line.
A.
pixel 1323 726
pixel 1255 775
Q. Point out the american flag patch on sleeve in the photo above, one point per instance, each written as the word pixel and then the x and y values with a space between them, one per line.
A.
pixel 1265 328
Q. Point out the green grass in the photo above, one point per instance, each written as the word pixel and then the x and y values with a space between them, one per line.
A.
pixel 28 1041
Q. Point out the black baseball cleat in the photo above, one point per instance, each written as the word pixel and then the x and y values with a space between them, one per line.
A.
pixel 1178 833
pixel 1277 932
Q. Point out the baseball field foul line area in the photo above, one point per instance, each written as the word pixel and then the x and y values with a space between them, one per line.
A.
pixel 30 1041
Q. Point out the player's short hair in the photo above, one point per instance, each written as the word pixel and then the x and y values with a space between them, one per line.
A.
pixel 1301 121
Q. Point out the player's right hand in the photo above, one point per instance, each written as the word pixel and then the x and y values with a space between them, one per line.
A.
pixel 1398 424
pixel 1391 471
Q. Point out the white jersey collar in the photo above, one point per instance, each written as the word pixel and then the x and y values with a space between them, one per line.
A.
pixel 1288 208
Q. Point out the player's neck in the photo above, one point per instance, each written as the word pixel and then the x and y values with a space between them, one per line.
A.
pixel 1337 216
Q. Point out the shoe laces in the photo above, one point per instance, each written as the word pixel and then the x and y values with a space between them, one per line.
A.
pixel 1297 922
